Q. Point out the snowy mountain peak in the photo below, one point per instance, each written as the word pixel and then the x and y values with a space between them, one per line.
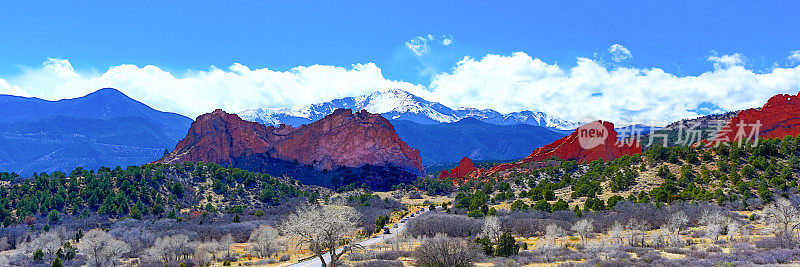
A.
pixel 398 104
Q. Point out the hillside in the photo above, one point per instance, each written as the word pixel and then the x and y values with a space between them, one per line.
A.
pixel 728 175
pixel 683 131
pixel 104 128
pixel 150 191
pixel 472 138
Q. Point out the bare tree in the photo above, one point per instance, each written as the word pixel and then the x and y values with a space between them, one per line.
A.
pixel 226 242
pixel 446 251
pixel 169 248
pixel 677 221
pixel 551 234
pixel 583 227
pixel 433 223
pixel 735 230
pixel 265 240
pixel 322 228
pixel 714 223
pixel 491 228
pixel 637 229
pixel 615 233
pixel 48 242
pixel 204 252
pixel 659 237
pixel 782 217
pixel 674 226
pixel 100 248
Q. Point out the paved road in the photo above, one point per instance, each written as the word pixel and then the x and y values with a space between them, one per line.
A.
pixel 375 240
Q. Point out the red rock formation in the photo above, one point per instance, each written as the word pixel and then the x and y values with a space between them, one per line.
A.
pixel 341 139
pixel 218 137
pixel 592 141
pixel 779 117
pixel 464 168
pixel 350 140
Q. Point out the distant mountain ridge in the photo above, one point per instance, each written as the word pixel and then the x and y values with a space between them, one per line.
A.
pixel 470 137
pixel 400 105
pixel 103 128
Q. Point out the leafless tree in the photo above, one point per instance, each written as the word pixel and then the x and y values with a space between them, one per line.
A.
pixel 735 230
pixel 169 248
pixel 204 252
pixel 659 237
pixel 48 242
pixel 674 226
pixel 714 222
pixel 637 229
pixel 226 242
pixel 782 217
pixel 677 221
pixel 491 228
pixel 433 223
pixel 615 234
pixel 100 248
pixel 551 234
pixel 583 227
pixel 446 251
pixel 139 238
pixel 265 240
pixel 322 228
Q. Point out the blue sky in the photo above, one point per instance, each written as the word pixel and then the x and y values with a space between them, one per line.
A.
pixel 181 37
pixel 676 36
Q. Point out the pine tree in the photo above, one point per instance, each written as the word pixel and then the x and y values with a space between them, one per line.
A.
pixel 506 246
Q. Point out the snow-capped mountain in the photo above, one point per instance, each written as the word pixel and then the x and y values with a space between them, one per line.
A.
pixel 400 105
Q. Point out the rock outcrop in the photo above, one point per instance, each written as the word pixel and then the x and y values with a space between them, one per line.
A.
pixel 349 140
pixel 337 144
pixel 592 141
pixel 220 138
pixel 778 118
pixel 464 168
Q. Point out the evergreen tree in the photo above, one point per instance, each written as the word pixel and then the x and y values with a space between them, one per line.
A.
pixel 506 246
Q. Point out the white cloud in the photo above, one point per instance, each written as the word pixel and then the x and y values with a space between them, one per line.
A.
pixel 619 53
pixel 794 56
pixel 503 82
pixel 726 61
pixel 7 89
pixel 590 90
pixel 197 92
pixel 421 45
pixel 447 41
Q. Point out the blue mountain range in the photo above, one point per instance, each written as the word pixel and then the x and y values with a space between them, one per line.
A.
pixel 104 128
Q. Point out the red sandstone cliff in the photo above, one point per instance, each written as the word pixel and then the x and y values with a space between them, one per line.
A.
pixel 350 140
pixel 592 141
pixel 218 137
pixel 341 139
pixel 779 117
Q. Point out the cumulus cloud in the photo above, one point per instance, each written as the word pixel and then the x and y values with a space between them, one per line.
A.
pixel 619 53
pixel 7 89
pixel 590 90
pixel 506 83
pixel 794 56
pixel 197 92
